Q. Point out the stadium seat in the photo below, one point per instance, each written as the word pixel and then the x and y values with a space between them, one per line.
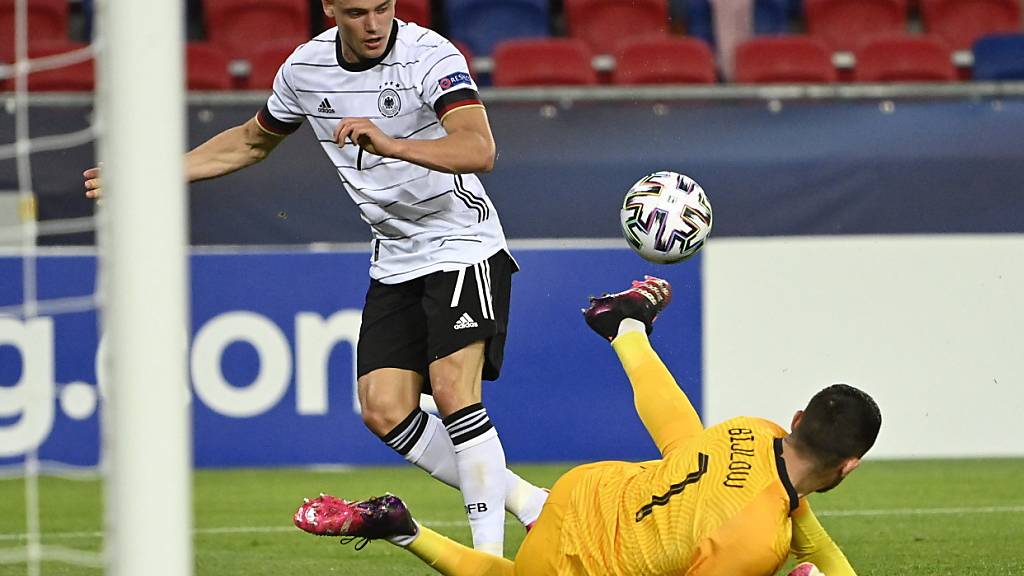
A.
pixel 604 23
pixel 846 24
pixel 699 22
pixel 265 62
pixel 47 24
pixel 960 22
pixel 552 62
pixel 207 67
pixel 669 60
pixel 771 16
pixel 237 25
pixel 78 77
pixel 482 24
pixel 904 59
pixel 783 59
pixel 999 57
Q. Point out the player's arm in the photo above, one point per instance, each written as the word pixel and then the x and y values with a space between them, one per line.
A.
pixel 812 544
pixel 467 148
pixel 231 150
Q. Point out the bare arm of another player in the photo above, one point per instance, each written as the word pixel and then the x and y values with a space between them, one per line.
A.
pixel 467 148
pixel 231 150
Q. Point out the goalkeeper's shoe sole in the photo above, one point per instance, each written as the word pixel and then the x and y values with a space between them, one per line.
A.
pixel 381 517
pixel 643 302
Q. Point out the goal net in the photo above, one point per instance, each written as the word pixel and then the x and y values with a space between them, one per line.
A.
pixel 91 454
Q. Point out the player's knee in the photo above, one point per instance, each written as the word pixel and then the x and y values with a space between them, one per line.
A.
pixel 382 418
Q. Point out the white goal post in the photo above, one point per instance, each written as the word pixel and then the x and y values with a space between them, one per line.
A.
pixel 145 289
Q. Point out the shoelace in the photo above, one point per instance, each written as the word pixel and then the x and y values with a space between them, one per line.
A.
pixel 362 541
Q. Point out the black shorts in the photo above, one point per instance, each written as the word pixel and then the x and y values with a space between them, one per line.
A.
pixel 411 324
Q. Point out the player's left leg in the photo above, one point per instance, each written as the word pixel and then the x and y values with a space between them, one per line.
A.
pixel 467 313
pixel 625 319
pixel 387 517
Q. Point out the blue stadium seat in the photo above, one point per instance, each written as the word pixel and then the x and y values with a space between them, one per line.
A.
pixel 481 24
pixel 999 57
pixel 770 17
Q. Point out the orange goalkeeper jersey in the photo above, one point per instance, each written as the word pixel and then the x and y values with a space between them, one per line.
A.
pixel 718 504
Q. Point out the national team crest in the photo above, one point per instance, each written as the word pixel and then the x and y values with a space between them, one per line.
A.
pixel 389 103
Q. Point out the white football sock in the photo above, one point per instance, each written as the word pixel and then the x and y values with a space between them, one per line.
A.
pixel 480 460
pixel 423 441
pixel 631 325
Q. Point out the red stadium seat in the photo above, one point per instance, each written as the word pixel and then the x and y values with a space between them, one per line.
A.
pixel 783 59
pixel 47 24
pixel 604 23
pixel 548 62
pixel 960 22
pixel 206 67
pixel 78 77
pixel 846 24
pixel 904 59
pixel 668 60
pixel 264 63
pixel 236 26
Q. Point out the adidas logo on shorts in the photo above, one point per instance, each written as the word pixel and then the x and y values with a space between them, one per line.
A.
pixel 465 321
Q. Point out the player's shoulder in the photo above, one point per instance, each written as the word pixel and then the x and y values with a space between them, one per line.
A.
pixel 749 425
pixel 415 38
pixel 318 48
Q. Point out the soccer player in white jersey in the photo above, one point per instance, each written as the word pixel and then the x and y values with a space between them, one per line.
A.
pixel 399 116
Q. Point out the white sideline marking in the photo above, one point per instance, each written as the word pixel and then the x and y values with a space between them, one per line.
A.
pixel 458 523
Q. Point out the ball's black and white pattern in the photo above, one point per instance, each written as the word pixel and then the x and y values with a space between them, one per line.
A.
pixel 666 217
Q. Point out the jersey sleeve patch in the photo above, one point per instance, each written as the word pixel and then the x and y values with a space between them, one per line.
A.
pixel 456 99
pixel 272 125
pixel 454 79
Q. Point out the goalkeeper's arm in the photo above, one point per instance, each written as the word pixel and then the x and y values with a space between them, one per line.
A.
pixel 812 544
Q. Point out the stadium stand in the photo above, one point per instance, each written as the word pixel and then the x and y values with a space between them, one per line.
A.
pixel 77 77
pixel 846 24
pixel 482 24
pixel 669 60
pixel 207 67
pixel 784 59
pixel 47 24
pixel 999 57
pixel 264 64
pixel 960 22
pixel 550 62
pixel 770 17
pixel 604 23
pixel 904 59
pixel 237 25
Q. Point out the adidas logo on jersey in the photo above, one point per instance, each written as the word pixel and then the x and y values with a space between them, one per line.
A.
pixel 465 321
pixel 325 107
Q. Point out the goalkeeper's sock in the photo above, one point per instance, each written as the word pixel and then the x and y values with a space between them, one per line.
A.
pixel 422 440
pixel 664 409
pixel 480 459
pixel 454 559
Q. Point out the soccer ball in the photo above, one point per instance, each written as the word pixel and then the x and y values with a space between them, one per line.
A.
pixel 666 217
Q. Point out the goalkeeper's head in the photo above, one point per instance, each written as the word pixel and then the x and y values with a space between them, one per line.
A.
pixel 839 425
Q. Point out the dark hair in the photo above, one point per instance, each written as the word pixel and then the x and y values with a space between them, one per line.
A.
pixel 839 423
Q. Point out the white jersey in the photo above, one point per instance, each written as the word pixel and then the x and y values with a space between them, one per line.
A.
pixel 422 221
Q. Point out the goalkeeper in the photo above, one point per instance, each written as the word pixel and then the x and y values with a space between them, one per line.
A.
pixel 727 500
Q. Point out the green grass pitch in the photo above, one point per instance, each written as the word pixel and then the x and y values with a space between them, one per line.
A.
pixel 956 517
